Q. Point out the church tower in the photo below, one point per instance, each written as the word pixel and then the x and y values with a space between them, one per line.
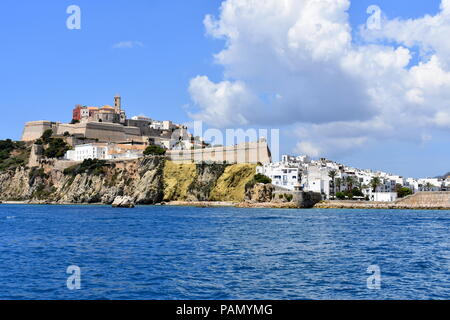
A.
pixel 117 103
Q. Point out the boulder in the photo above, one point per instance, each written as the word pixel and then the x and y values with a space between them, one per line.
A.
pixel 260 193
pixel 123 202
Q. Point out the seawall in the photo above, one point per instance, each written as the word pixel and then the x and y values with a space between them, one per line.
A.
pixel 418 201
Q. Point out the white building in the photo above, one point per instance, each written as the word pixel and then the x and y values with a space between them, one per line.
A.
pixel 104 151
pixel 316 179
pixel 314 175
pixel 142 118
pixel 88 151
pixel 430 184
pixel 162 125
pixel 282 174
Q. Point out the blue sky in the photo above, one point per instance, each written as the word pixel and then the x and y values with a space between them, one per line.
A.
pixel 47 69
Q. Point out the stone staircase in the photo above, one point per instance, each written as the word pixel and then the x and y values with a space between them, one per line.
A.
pixel 426 200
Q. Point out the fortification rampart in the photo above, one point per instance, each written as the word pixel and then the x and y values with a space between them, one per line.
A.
pixel 33 130
pixel 104 132
pixel 250 152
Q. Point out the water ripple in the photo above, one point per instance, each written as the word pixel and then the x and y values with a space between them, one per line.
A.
pixel 222 253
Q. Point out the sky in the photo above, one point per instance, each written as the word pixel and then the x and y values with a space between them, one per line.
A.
pixel 336 87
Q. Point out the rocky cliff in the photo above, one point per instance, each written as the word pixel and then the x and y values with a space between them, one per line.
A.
pixel 147 180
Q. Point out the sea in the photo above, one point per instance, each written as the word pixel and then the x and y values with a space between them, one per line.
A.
pixel 165 252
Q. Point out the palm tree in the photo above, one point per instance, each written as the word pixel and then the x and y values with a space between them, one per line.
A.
pixel 332 174
pixel 350 181
pixel 338 184
pixel 429 186
pixel 374 183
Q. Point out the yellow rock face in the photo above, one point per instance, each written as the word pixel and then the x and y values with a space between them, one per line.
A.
pixel 177 179
pixel 231 184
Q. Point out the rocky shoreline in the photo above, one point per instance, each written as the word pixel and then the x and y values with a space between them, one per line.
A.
pixel 378 205
pixel 263 205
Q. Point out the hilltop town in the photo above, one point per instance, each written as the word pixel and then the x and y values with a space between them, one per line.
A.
pixel 99 152
pixel 106 133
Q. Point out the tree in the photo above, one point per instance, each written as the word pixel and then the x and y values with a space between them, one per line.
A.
pixel 340 195
pixel 374 183
pixel 57 148
pixel 332 174
pixel 349 181
pixel 46 136
pixel 429 186
pixel 260 178
pixel 403 192
pixel 154 150
pixel 74 121
pixel 338 184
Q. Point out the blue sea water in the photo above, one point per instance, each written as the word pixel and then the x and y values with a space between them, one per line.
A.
pixel 222 253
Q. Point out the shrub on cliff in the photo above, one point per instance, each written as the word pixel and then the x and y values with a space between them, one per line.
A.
pixel 90 166
pixel 13 154
pixel 154 151
pixel 258 178
pixel 46 136
pixel 36 173
pixel 57 148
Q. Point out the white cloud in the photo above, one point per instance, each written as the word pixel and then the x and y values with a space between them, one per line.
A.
pixel 128 45
pixel 293 63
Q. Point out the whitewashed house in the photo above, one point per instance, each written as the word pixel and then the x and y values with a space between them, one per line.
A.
pixel 88 151
pixel 282 175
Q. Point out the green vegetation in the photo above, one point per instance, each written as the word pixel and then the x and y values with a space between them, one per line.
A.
pixel 258 178
pixel 332 174
pixel 340 195
pixel 36 173
pixel 74 121
pixel 57 148
pixel 13 154
pixel 375 183
pixel 289 197
pixel 403 192
pixel 354 193
pixel 47 135
pixel 154 151
pixel 90 166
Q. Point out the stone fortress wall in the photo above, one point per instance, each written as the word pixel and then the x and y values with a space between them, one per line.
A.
pixel 104 132
pixel 33 130
pixel 249 152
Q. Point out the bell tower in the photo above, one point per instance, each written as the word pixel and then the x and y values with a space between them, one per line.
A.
pixel 117 103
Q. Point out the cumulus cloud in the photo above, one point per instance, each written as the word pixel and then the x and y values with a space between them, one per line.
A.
pixel 293 63
pixel 128 45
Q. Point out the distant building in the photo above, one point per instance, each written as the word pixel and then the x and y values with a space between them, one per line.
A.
pixel 282 174
pixel 88 151
pixel 104 151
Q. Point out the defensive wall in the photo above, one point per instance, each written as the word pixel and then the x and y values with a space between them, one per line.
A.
pixel 249 152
